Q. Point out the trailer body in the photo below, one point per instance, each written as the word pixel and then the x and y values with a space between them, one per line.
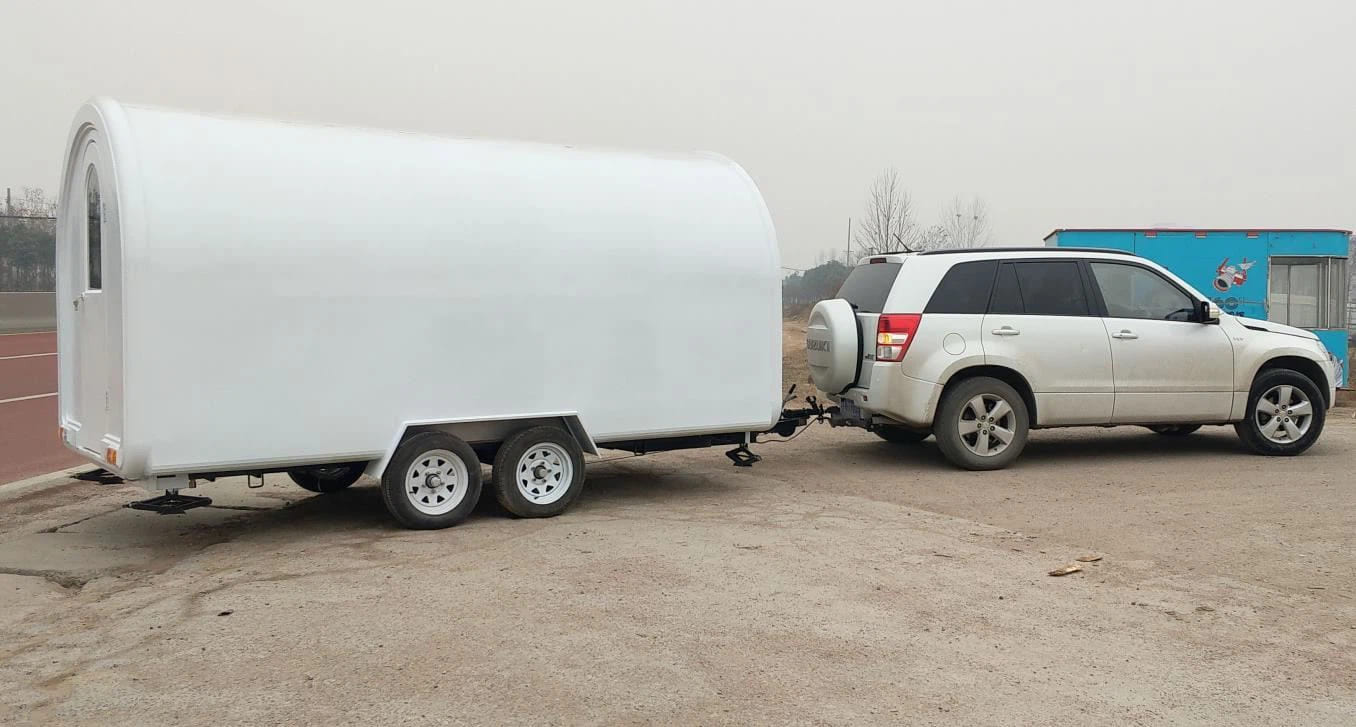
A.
pixel 244 295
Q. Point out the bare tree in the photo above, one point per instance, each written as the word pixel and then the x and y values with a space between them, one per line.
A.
pixel 966 224
pixel 935 237
pixel 888 222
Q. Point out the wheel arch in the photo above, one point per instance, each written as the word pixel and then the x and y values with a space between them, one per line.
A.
pixel 484 432
pixel 1011 377
pixel 1307 366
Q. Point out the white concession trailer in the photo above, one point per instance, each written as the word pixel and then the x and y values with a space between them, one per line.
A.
pixel 243 296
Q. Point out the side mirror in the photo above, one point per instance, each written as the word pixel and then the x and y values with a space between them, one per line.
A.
pixel 1209 312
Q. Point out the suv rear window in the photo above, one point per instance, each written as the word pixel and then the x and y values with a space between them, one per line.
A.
pixel 867 286
pixel 1040 288
pixel 1052 288
pixel 964 289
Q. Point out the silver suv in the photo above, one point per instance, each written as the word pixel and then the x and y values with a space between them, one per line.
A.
pixel 977 347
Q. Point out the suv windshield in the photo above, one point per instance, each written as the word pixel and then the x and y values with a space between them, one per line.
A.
pixel 867 286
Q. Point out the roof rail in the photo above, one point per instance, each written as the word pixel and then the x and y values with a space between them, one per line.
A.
pixel 955 251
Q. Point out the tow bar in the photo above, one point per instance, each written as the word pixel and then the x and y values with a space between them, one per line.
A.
pixel 786 426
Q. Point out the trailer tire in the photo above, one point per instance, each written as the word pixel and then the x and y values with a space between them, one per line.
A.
pixel 538 472
pixel 431 482
pixel 327 479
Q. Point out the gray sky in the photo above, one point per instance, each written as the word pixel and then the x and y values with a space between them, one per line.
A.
pixel 1232 113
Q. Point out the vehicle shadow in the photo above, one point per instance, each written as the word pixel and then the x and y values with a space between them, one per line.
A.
pixel 1065 445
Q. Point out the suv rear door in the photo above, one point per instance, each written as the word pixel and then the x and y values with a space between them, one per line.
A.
pixel 867 288
pixel 1041 323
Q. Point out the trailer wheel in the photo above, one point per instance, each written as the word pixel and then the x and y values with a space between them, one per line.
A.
pixel 538 472
pixel 327 479
pixel 432 481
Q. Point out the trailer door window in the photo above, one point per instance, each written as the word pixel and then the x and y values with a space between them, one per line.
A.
pixel 1307 292
pixel 94 231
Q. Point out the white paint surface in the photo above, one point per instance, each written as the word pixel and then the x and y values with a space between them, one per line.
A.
pixel 289 293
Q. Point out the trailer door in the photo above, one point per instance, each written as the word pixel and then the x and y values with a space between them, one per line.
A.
pixel 88 407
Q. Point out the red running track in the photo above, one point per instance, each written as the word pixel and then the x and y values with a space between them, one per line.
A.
pixel 29 444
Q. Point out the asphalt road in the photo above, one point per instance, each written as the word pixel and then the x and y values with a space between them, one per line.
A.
pixel 28 407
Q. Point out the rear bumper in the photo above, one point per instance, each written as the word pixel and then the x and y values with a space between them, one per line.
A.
pixel 897 397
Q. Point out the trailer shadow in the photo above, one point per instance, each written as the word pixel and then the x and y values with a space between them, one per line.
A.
pixel 608 485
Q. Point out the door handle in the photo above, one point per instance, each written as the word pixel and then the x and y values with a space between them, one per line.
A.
pixel 1006 331
pixel 1125 335
pixel 76 302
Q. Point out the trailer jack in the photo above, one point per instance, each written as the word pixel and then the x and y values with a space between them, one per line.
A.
pixel 742 456
pixel 170 503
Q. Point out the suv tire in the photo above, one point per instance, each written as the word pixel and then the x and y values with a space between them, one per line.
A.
pixel 896 434
pixel 1293 399
pixel 973 420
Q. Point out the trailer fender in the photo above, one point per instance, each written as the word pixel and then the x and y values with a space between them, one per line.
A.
pixel 484 430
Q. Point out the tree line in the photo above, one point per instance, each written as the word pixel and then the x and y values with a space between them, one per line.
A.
pixel 27 242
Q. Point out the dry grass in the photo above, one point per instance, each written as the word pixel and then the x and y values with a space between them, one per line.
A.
pixel 794 369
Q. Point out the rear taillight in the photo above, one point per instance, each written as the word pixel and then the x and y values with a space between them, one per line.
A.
pixel 894 333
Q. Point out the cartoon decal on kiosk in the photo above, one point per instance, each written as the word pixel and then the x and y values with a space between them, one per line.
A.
pixel 1227 276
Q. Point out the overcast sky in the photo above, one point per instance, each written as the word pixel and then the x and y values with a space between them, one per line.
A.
pixel 1232 113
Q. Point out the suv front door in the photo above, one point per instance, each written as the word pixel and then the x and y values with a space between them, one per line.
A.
pixel 1040 323
pixel 1169 366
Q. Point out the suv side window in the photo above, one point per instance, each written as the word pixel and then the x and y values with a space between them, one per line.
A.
pixel 964 289
pixel 1131 291
pixel 1051 288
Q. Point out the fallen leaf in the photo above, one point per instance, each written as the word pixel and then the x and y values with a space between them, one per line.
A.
pixel 1066 570
pixel 1204 609
pixel 226 613
pixel 1088 558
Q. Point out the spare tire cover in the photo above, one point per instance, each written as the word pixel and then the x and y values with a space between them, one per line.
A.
pixel 832 346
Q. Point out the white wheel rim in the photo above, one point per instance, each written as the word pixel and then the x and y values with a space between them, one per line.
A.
pixel 987 425
pixel 436 482
pixel 544 473
pixel 1283 414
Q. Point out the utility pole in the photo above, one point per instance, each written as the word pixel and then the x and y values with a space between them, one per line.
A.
pixel 9 205
pixel 847 256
